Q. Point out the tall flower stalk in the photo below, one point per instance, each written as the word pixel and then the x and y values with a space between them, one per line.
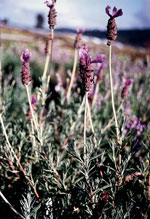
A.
pixel 52 22
pixel 112 97
pixel 46 80
pixel 87 75
pixel 111 36
pixel 26 79
pixel 29 115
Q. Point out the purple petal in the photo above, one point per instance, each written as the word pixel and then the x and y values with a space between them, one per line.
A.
pixel 119 13
pixel 107 9
pixel 114 11
pixel 34 99
pixel 99 59
pixel 48 4
pixel 80 31
pixel 129 82
pixel 83 51
pixel 25 56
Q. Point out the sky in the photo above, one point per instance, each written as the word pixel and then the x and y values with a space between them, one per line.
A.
pixel 88 14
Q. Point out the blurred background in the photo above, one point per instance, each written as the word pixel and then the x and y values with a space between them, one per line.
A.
pixel 32 15
pixel 73 13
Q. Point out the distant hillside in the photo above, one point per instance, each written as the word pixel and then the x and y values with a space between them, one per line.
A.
pixel 131 37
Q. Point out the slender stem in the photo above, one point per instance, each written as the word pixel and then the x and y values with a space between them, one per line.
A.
pixel 90 117
pixel 95 95
pixel 73 73
pixel 47 64
pixel 49 55
pixel 31 108
pixel 112 96
pixel 85 123
pixel 33 140
pixel 10 205
pixel 43 101
pixel 91 124
pixel 18 162
pixel 11 164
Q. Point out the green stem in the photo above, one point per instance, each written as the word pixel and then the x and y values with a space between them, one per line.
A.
pixel 91 124
pixel 73 73
pixel 112 96
pixel 47 64
pixel 49 55
pixel 31 108
pixel 85 123
pixel 96 94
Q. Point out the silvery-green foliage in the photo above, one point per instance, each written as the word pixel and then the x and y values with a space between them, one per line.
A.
pixel 29 206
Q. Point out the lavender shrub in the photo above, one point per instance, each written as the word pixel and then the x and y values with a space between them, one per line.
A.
pixel 43 172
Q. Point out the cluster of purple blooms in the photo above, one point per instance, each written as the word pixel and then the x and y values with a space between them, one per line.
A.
pixel 52 14
pixel 78 38
pixel 112 26
pixel 86 67
pixel 25 73
pixel 125 89
pixel 134 124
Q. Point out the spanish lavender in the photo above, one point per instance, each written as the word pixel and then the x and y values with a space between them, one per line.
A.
pixel 25 73
pixel 78 38
pixel 125 89
pixel 86 67
pixel 112 26
pixel 134 124
pixel 52 14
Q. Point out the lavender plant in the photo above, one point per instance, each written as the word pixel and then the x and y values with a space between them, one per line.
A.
pixel 58 172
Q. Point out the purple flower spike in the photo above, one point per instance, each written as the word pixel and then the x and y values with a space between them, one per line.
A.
pixel 86 67
pixel 112 26
pixel 78 37
pixel 25 56
pixel 125 89
pixel 25 73
pixel 52 14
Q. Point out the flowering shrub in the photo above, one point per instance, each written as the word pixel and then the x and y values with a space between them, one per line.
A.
pixel 47 169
